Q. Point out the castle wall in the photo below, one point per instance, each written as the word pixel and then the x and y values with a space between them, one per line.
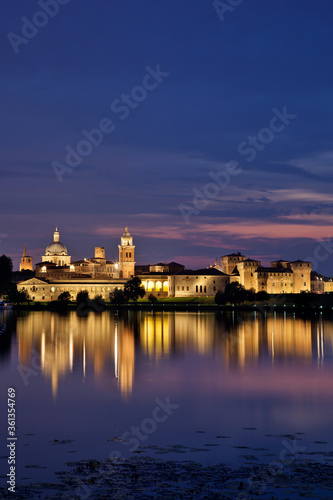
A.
pixel 302 276
pixel 247 272
pixel 229 262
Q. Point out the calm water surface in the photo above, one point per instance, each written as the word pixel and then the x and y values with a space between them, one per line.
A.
pixel 209 387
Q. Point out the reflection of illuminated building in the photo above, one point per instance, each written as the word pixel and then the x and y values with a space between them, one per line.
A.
pixel 155 333
pixel 104 347
pixel 288 337
pixel 126 362
pixel 241 343
pixel 54 344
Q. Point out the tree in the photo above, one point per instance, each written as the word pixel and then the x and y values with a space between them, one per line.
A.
pixel 6 269
pixel 18 297
pixel 117 297
pixel 64 297
pixel 133 289
pixel 82 296
pixel 220 298
pixel 234 293
pixel 152 298
pixel 97 303
pixel 262 295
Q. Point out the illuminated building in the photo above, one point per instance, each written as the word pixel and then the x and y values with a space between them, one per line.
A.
pixel 282 277
pixel 26 261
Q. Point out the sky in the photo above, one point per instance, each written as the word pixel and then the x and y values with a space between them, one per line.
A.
pixel 205 126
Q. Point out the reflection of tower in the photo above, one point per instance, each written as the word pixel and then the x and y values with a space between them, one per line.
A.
pixel 126 255
pixel 26 261
pixel 125 366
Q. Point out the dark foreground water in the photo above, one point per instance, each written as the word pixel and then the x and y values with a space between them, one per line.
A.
pixel 210 387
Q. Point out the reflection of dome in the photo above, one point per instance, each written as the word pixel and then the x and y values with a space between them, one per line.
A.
pixel 56 248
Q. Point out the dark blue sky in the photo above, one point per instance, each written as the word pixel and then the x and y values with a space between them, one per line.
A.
pixel 219 82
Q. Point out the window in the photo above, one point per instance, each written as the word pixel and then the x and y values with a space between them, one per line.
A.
pixel 200 288
pixel 178 288
pixel 130 255
pixel 196 288
pixel 205 289
pixel 182 288
pixel 187 288
pixel 304 283
pixel 214 288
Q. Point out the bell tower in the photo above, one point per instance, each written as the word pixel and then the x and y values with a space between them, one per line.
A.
pixel 126 256
pixel 26 261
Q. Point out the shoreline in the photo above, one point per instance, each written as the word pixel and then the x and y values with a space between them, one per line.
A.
pixel 174 306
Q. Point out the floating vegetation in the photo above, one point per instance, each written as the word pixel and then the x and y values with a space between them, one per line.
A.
pixel 63 441
pixel 117 439
pixel 34 467
pixel 145 478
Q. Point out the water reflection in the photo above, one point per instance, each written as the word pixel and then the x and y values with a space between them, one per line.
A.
pixel 105 343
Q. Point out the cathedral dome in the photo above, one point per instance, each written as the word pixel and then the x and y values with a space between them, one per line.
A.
pixel 56 248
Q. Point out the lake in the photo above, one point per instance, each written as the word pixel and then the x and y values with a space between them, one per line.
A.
pixel 206 386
